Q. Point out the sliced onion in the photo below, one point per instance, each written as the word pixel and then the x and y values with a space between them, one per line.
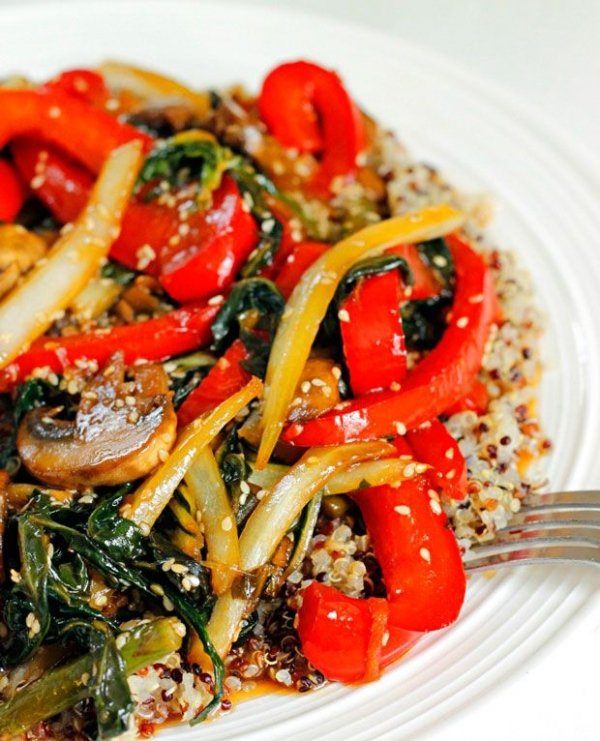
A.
pixel 152 87
pixel 52 285
pixel 278 509
pixel 145 505
pixel 205 484
pixel 96 298
pixel 374 473
pixel 311 297
pixel 224 624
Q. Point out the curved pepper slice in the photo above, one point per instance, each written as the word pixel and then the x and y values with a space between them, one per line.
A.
pixel 348 640
pixel 477 399
pixel 437 382
pixel 217 244
pixel 223 380
pixel 85 84
pixel 307 107
pixel 206 256
pixel 418 553
pixel 182 330
pixel 12 192
pixel 298 259
pixel 434 445
pixel 372 333
pixel 85 133
pixel 424 283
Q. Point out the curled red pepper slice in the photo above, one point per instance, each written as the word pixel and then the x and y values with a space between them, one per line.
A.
pixel 437 382
pixel 297 260
pixel 307 107
pixel 12 192
pixel 87 134
pixel 424 283
pixel 418 553
pixel 372 333
pixel 216 244
pixel 477 399
pixel 347 639
pixel 85 84
pixel 223 380
pixel 433 444
pixel 182 330
pixel 194 259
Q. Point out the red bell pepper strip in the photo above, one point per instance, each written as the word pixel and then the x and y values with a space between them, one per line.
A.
pixel 437 382
pixel 205 258
pixel 223 238
pixel 12 192
pixel 85 84
pixel 85 133
pixel 225 378
pixel 298 259
pixel 182 330
pixel 433 444
pixel 424 283
pixel 307 107
pixel 372 333
pixel 418 554
pixel 477 399
pixel 348 640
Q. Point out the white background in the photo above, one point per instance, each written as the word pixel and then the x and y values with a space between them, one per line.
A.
pixel 547 52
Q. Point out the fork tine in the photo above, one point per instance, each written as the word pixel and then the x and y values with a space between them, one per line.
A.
pixel 556 510
pixel 589 499
pixel 531 547
pixel 580 530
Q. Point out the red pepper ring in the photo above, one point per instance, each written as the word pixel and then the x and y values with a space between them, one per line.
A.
pixel 182 330
pixel 87 134
pixel 437 382
pixel 307 107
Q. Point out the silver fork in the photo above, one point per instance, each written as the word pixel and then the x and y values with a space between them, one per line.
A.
pixel 562 527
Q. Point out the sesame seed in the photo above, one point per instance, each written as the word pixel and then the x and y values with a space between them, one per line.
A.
pixel 179 568
pixel 440 261
pixel 343 315
pixel 37 181
pixel 130 401
pixel 163 455
pixel 29 619
pixel 318 382
pixel 215 300
pixel 336 372
pixel 449 453
pixel 133 416
pixel 295 430
pixel 305 387
pixel 157 589
pixel 386 638
pixel 403 509
pixel 394 386
pixel 244 487
pixel 425 554
pixel 462 322
pixel 85 678
pixel 186 584
pixel 421 467
pixel 54 112
pixel 121 640
pixel 435 507
pixel 409 470
pixel 451 474
pixel 260 494
pixel 312 459
pixel 226 524
pixel 433 494
pixel 180 629
pixel 168 605
pixel 168 564
pixel 477 299
pixel 400 428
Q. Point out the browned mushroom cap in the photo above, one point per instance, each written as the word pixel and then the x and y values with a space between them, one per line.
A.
pixel 122 430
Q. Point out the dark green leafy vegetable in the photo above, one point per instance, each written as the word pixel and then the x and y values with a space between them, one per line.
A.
pixel 181 158
pixel 257 294
pixel 372 266
pixel 121 538
pixel 112 698
pixel 439 258
pixel 424 320
pixel 121 275
pixel 254 186
pixel 65 686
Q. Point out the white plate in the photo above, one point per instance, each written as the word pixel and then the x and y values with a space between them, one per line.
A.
pixel 484 141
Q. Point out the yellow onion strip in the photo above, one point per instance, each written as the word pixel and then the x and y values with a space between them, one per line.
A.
pixel 205 484
pixel 391 471
pixel 151 86
pixel 309 301
pixel 273 517
pixel 96 298
pixel 145 505
pixel 50 287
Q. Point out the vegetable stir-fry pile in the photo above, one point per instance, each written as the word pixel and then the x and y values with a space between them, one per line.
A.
pixel 207 356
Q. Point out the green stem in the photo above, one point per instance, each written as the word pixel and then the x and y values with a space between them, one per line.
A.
pixel 61 688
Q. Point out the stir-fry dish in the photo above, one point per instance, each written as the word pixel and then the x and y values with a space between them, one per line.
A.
pixel 263 383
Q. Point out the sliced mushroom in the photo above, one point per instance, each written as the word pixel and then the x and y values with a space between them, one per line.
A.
pixel 122 430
